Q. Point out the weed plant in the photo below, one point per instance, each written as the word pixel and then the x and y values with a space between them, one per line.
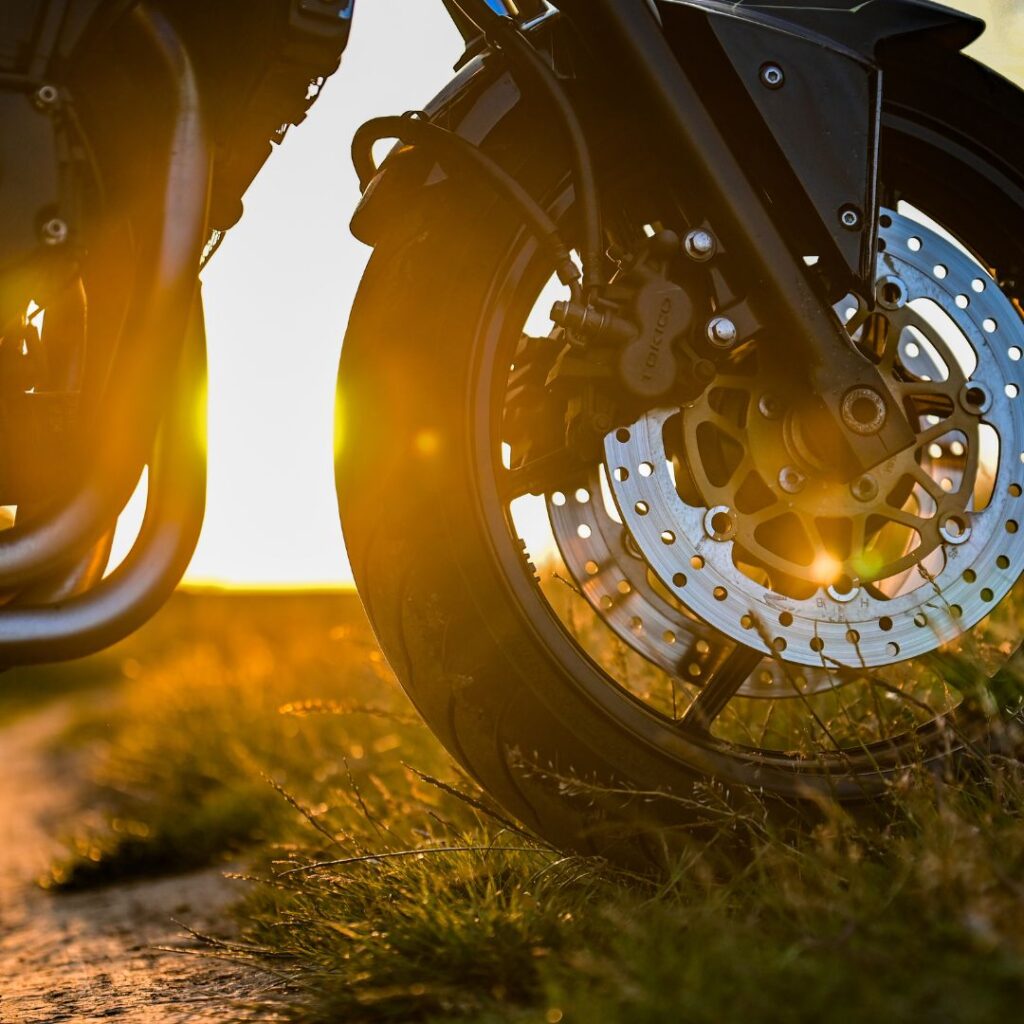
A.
pixel 379 885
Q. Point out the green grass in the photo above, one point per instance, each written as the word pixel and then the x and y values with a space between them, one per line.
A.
pixel 268 729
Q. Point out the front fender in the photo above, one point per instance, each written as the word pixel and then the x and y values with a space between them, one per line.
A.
pixel 474 104
pixel 866 26
pixel 483 95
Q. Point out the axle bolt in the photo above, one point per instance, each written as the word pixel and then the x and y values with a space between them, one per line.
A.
pixel 772 76
pixel 55 231
pixel 864 488
pixel 722 332
pixel 863 411
pixel 791 480
pixel 700 245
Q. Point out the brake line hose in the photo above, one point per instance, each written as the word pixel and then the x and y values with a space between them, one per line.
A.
pixel 503 31
pixel 452 151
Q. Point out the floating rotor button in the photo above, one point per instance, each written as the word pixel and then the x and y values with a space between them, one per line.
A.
pixel 720 523
pixel 955 529
pixel 891 292
pixel 975 398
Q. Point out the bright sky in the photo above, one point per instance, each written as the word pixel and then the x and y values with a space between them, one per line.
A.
pixel 279 291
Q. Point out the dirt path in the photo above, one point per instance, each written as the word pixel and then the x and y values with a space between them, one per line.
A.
pixel 96 956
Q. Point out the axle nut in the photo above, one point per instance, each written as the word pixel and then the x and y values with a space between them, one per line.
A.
pixel 863 411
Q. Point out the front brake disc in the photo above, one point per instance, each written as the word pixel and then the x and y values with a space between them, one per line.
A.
pixel 860 606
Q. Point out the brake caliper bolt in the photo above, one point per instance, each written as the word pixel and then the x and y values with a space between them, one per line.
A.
pixel 849 217
pixel 722 332
pixel 791 480
pixel 700 245
pixel 865 488
pixel 55 231
pixel 772 76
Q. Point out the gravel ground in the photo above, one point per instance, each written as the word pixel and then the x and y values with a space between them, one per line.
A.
pixel 119 952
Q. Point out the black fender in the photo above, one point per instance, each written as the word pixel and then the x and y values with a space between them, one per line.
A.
pixel 843 42
pixel 869 26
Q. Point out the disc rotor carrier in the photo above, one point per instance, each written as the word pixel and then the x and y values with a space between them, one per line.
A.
pixel 862 573
pixel 614 578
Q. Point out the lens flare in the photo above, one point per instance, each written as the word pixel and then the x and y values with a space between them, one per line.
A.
pixel 825 569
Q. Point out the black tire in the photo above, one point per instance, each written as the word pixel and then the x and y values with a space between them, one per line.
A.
pixel 494 675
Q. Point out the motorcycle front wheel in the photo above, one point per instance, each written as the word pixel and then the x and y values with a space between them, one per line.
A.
pixel 585 653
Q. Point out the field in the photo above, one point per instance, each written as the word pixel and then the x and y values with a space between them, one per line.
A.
pixel 265 735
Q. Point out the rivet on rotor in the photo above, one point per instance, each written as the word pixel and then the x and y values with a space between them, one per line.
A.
pixel 843 591
pixel 891 292
pixel 719 523
pixel 955 529
pixel 975 398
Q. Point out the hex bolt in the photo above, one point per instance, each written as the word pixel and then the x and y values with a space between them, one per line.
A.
pixel 864 488
pixel 791 480
pixel 700 245
pixel 849 217
pixel 772 76
pixel 55 231
pixel 722 332
pixel 46 96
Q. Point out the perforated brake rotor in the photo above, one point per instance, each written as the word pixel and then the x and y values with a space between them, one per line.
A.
pixel 946 310
pixel 613 576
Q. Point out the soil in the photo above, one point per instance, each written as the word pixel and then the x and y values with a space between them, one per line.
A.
pixel 116 953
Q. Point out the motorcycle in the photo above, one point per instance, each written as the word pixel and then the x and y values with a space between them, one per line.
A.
pixel 680 449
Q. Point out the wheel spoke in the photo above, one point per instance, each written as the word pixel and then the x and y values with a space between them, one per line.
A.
pixel 931 486
pixel 721 688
